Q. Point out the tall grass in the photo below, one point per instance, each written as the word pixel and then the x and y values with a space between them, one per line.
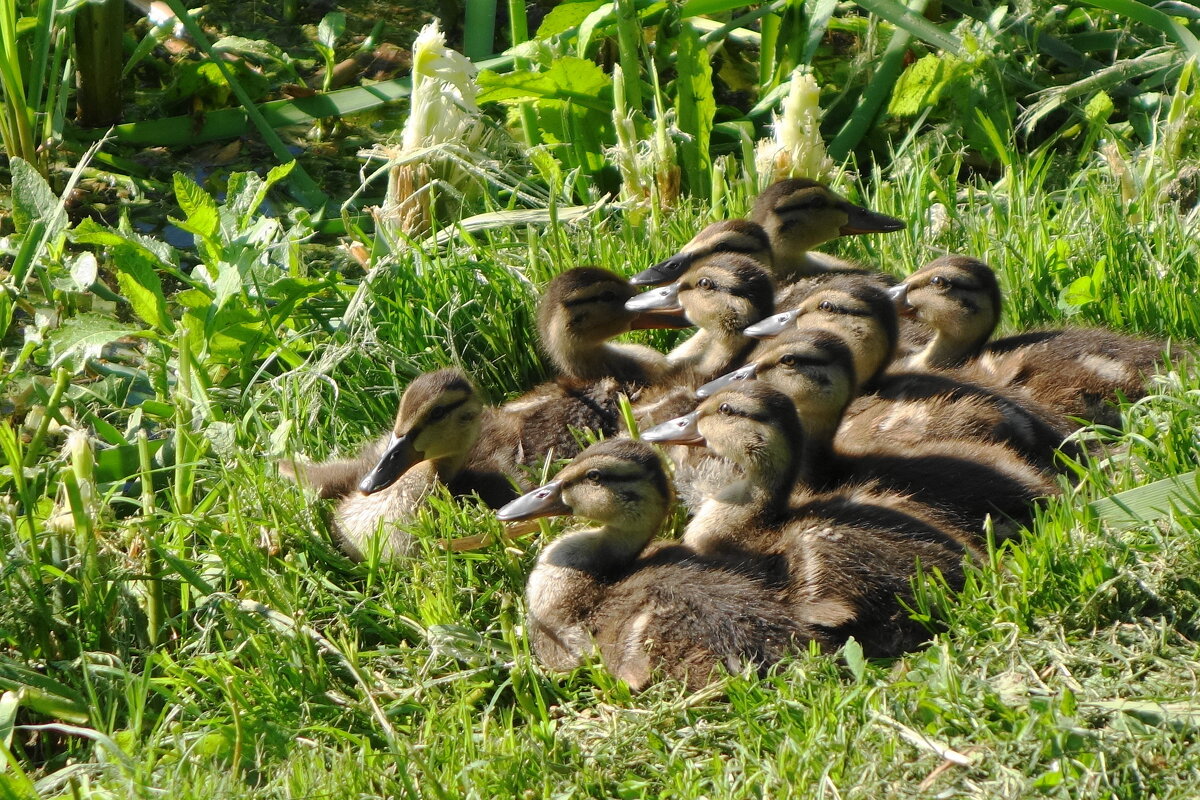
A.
pixel 208 639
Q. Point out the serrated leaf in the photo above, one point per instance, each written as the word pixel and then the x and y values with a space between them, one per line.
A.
pixel 33 200
pixel 694 108
pixel 199 209
pixel 140 285
pixel 590 23
pixel 567 78
pixel 83 337
pixel 566 16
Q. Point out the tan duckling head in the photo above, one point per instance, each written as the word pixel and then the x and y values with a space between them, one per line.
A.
pixel 438 421
pixel 620 483
pixel 859 311
pixel 739 236
pixel 584 307
pixel 959 297
pixel 726 293
pixel 798 214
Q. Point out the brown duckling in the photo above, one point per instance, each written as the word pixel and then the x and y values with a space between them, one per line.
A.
pixel 436 433
pixel 644 606
pixel 966 479
pixel 1076 372
pixel 848 557
pixel 722 296
pixel 906 406
pixel 789 218
pixel 580 310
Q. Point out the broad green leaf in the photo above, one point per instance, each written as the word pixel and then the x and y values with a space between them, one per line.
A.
pixel 123 461
pixel 141 286
pixel 924 83
pixel 199 208
pixel 568 78
pixel 82 337
pixel 694 108
pixel 566 16
pixel 228 283
pixel 853 653
pixel 84 269
pixel 1149 502
pixel 332 26
pixel 32 199
pixel 9 703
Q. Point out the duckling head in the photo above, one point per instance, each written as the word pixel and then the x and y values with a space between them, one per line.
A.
pixel 438 421
pixel 620 483
pixel 750 423
pixel 859 311
pixel 585 306
pixel 726 294
pixel 957 296
pixel 739 236
pixel 798 214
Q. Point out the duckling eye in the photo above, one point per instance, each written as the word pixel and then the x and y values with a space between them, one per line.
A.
pixel 439 413
pixel 788 360
pixel 826 305
pixel 725 408
pixel 706 283
pixel 593 475
pixel 940 281
pixel 607 297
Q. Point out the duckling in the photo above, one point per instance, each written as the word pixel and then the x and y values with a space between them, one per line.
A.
pixel 642 605
pixel 849 556
pixel 1076 372
pixel 789 218
pixel 584 307
pixel 799 214
pixel 860 311
pixel 721 296
pixel 965 479
pixel 436 429
pixel 907 408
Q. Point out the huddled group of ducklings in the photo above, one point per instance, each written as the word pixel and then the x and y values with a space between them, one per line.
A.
pixel 831 430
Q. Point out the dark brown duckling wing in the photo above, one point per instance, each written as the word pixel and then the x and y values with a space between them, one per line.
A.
pixel 692 618
pixel 910 408
pixel 1077 372
pixel 857 581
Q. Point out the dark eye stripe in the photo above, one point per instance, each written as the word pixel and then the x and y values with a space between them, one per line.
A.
pixel 853 312
pixel 582 301
pixel 446 408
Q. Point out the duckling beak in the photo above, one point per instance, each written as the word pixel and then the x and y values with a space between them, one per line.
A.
pixel 771 326
pixel 664 299
pixel 542 502
pixel 864 220
pixel 898 294
pixel 681 430
pixel 748 372
pixel 395 461
pixel 664 271
pixel 647 320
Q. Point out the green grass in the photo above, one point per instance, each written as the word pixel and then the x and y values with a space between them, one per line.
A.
pixel 214 643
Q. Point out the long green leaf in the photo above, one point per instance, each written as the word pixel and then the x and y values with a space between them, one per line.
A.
pixel 914 24
pixel 1156 19
pixel 695 109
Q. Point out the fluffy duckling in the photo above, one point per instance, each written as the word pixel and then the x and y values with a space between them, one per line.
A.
pixel 789 218
pixel 436 429
pixel 860 311
pixel 1076 372
pixel 907 407
pixel 722 296
pixel 580 310
pixel 642 605
pixel 966 479
pixel 848 557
